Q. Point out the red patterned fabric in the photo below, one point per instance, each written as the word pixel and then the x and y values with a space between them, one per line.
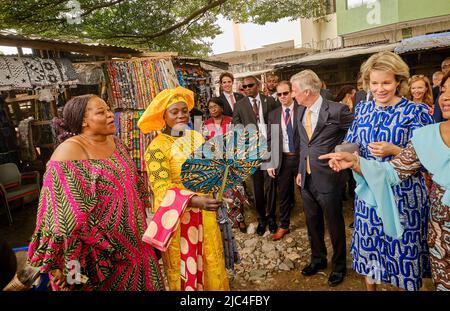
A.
pixel 172 212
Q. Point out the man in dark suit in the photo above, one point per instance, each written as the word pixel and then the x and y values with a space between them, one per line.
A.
pixel 254 109
pixel 322 126
pixel 227 96
pixel 437 114
pixel 283 129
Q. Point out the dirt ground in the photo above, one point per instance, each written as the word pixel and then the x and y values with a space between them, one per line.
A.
pixel 294 281
pixel 24 222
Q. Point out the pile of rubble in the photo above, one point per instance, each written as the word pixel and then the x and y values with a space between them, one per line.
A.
pixel 261 257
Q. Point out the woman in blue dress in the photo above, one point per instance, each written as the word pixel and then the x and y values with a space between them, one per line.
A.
pixel 382 127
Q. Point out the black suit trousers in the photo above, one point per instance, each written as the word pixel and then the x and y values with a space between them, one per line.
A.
pixel 259 180
pixel 316 205
pixel 284 186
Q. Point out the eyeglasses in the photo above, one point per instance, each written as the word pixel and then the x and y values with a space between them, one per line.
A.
pixel 248 86
pixel 283 94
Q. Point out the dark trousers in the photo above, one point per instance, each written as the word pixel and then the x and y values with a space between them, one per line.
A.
pixel 259 193
pixel 284 186
pixel 316 205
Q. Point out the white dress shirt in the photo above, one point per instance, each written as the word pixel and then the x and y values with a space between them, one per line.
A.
pixel 228 97
pixel 315 109
pixel 283 126
pixel 261 124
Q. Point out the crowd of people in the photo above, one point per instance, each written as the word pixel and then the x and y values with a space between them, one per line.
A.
pixel 94 206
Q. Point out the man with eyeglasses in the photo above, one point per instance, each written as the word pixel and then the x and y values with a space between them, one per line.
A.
pixel 254 109
pixel 437 115
pixel 283 126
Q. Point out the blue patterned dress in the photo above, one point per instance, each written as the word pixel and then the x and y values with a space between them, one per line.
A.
pixel 400 262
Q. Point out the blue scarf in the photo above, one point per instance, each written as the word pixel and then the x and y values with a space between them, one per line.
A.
pixel 434 156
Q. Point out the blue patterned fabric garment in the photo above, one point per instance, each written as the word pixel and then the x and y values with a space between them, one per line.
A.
pixel 400 262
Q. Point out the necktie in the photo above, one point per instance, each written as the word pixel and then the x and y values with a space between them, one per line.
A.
pixel 232 101
pixel 290 130
pixel 256 109
pixel 308 129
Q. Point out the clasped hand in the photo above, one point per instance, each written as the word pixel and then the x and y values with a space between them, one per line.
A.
pixel 383 149
pixel 204 202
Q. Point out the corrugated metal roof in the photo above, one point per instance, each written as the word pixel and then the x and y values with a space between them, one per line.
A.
pixel 424 42
pixel 10 36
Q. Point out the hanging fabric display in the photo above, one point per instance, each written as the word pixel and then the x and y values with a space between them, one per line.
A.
pixel 18 73
pixel 198 80
pixel 5 75
pixel 35 71
pixel 130 135
pixel 30 73
pixel 68 73
pixel 52 74
pixel 133 84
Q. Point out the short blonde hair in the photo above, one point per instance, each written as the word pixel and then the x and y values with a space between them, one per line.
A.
pixel 307 79
pixel 428 96
pixel 387 61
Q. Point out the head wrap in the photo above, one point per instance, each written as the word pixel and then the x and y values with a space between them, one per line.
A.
pixel 153 117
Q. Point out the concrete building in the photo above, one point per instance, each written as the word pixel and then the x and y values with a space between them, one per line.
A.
pixel 336 45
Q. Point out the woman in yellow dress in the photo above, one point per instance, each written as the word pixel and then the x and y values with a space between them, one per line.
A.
pixel 169 112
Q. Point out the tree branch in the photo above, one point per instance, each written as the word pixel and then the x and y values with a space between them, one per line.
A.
pixel 101 6
pixel 200 11
pixel 185 21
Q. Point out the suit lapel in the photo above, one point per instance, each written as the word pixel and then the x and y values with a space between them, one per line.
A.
pixel 294 117
pixel 323 117
pixel 249 110
pixel 264 106
pixel 300 127
pixel 225 101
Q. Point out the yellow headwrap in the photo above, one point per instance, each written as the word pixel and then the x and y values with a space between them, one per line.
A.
pixel 153 117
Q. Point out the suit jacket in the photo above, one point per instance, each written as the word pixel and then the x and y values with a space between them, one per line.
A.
pixel 243 112
pixel 275 120
pixel 227 110
pixel 332 125
pixel 437 114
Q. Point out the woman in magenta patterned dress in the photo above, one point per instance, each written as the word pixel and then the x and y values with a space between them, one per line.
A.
pixel 91 214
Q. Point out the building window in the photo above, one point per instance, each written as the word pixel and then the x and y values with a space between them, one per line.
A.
pixel 351 4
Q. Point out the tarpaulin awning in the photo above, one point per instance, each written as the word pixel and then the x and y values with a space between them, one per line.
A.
pixel 337 54
pixel 424 42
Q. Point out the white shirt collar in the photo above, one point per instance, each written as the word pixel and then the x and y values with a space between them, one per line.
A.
pixel 258 98
pixel 315 108
pixel 291 107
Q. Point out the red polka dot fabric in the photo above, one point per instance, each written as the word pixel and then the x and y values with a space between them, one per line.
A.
pixel 171 212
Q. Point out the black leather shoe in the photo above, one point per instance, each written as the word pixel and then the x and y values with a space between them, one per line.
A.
pixel 313 268
pixel 273 227
pixel 335 278
pixel 261 229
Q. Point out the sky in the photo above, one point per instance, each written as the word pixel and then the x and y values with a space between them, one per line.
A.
pixel 8 50
pixel 254 36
